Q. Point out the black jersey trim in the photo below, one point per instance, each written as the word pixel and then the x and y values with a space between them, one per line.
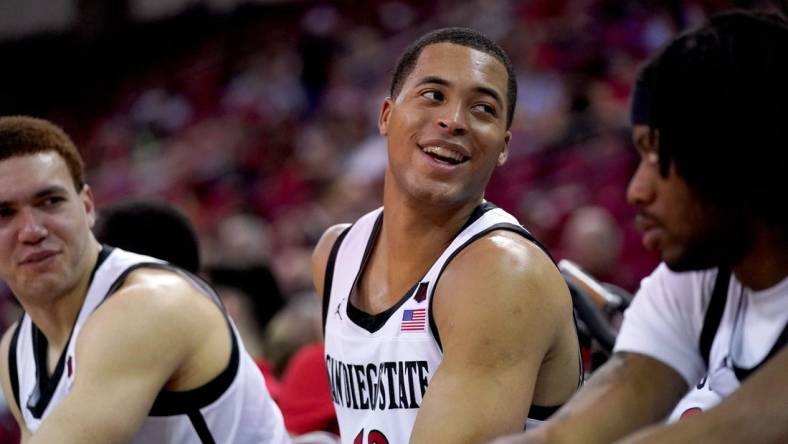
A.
pixel 374 322
pixel 711 322
pixel 192 278
pixel 743 373
pixel 478 212
pixel 170 403
pixel 719 298
pixel 45 387
pixel 201 427
pixel 328 280
pixel 13 371
pixel 540 413
pixel 367 321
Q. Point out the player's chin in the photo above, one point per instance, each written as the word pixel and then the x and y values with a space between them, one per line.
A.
pixel 687 259
pixel 437 192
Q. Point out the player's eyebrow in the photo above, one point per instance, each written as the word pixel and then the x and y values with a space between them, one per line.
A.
pixel 433 79
pixel 44 192
pixel 50 190
pixel 479 89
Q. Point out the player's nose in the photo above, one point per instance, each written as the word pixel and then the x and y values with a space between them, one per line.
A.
pixel 641 188
pixel 453 119
pixel 31 227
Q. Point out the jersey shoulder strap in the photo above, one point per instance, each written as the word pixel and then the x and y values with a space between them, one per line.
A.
pixel 329 277
pixel 13 371
pixel 719 296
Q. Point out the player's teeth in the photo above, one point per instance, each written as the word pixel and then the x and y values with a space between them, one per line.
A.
pixel 443 152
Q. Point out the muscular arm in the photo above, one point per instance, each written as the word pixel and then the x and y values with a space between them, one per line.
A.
pixel 756 412
pixel 499 308
pixel 145 337
pixel 5 381
pixel 629 392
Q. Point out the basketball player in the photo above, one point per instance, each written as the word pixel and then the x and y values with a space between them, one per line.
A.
pixel 113 346
pixel 445 321
pixel 709 115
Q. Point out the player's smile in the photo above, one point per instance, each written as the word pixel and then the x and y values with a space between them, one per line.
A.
pixel 444 157
pixel 40 258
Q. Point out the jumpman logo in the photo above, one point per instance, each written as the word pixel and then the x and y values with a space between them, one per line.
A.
pixel 337 312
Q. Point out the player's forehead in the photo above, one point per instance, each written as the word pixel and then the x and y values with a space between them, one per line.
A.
pixel 24 176
pixel 459 65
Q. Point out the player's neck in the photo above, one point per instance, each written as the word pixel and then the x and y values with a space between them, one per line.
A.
pixel 411 239
pixel 766 264
pixel 55 316
pixel 414 225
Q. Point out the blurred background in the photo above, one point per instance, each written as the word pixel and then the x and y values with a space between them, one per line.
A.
pixel 258 121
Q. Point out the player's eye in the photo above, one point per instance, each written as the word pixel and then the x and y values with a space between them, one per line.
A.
pixel 434 95
pixel 486 108
pixel 52 201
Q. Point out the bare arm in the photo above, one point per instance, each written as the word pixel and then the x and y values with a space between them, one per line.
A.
pixel 499 307
pixel 5 380
pixel 756 412
pixel 629 392
pixel 144 338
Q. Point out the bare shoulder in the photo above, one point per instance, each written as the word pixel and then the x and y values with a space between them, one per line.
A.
pixel 504 285
pixel 161 290
pixel 510 267
pixel 321 253
pixel 150 304
pixel 157 321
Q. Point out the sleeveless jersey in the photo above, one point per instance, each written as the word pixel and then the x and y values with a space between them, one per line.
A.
pixel 380 365
pixel 234 407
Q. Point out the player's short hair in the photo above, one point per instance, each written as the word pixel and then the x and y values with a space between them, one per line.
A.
pixel 23 135
pixel 718 97
pixel 151 227
pixel 458 36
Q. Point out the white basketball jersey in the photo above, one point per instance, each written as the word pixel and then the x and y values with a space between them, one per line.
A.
pixel 234 407
pixel 380 365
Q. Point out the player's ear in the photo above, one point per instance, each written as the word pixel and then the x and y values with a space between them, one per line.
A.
pixel 504 154
pixel 89 203
pixel 385 114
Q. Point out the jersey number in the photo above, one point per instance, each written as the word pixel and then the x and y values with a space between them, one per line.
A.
pixel 374 437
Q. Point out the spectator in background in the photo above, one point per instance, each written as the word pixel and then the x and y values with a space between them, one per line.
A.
pixel 293 349
pixel 239 264
pixel 253 296
pixel 592 239
pixel 152 228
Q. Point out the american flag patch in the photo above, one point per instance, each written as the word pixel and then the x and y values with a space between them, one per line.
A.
pixel 414 320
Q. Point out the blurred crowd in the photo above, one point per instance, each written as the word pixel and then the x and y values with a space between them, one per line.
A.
pixel 266 133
